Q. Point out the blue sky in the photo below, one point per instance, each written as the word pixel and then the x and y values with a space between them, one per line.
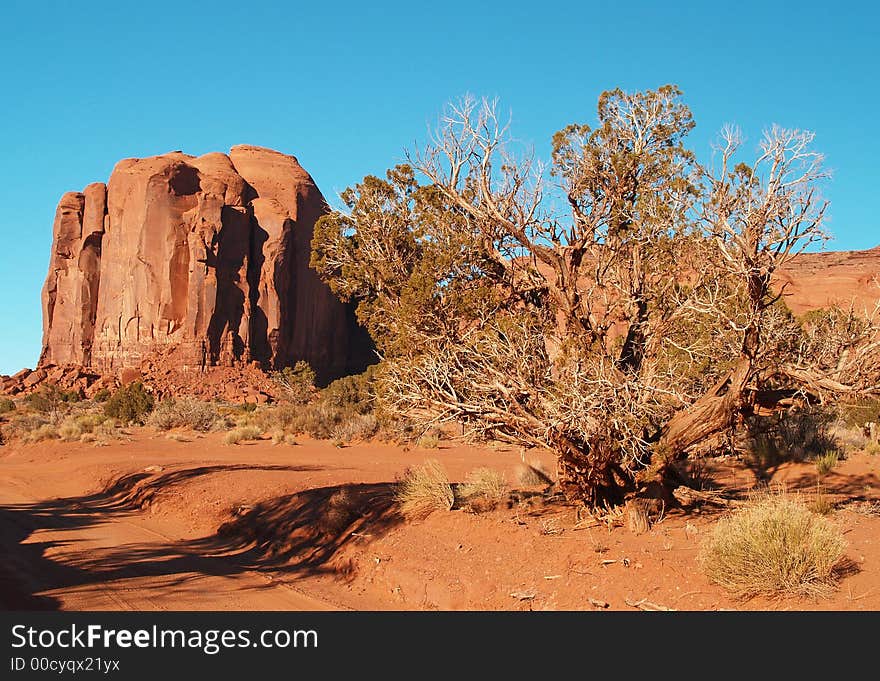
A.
pixel 347 86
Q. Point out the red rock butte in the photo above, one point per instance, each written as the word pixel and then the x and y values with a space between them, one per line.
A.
pixel 195 262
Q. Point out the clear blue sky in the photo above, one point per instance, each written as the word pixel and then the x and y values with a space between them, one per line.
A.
pixel 346 86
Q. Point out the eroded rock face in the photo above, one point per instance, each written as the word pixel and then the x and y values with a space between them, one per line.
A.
pixel 840 279
pixel 200 262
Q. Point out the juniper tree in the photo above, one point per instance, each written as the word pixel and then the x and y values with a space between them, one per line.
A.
pixel 617 310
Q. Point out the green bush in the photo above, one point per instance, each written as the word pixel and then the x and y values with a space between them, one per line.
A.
pixel 49 399
pixel 296 382
pixel 352 393
pixel 6 405
pixel 130 404
pixel 102 395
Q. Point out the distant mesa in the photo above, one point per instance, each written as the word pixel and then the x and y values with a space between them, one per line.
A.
pixel 191 263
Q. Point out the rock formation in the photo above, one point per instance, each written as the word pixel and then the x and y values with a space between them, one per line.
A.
pixel 832 279
pixel 194 263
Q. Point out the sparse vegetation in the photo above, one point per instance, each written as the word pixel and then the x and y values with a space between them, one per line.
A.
pixel 130 404
pixel 774 546
pixel 296 382
pixel 826 462
pixel 429 441
pixel 44 432
pixel 483 489
pixel 102 395
pixel 242 434
pixel 423 490
pixel 50 399
pixel 6 405
pixel 355 427
pixel 183 413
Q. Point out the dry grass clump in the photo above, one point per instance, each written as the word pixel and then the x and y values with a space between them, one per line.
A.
pixel 428 441
pixel 75 426
pixel 483 489
pixel 826 462
pixel 44 432
pixel 423 490
pixel 872 448
pixel 773 546
pixel 242 434
pixel 183 413
pixel 6 405
pixel 355 427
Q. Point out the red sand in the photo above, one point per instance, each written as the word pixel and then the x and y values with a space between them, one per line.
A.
pixel 202 525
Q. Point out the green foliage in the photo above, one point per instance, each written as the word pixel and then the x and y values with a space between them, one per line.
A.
pixel 858 413
pixel 297 382
pixel 130 404
pixel 50 399
pixel 354 394
pixel 6 405
pixel 102 395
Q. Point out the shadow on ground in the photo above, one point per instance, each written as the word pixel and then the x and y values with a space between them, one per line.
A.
pixel 296 534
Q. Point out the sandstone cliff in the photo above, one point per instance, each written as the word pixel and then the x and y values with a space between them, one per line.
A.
pixel 833 279
pixel 195 262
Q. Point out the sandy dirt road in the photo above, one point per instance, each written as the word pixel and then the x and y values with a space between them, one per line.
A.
pixel 44 548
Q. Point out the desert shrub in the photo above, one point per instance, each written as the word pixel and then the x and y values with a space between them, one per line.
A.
pixel 22 423
pixel 6 405
pixel 858 413
pixel 428 441
pixel 423 490
pixel 69 431
pixel 183 413
pixel 73 427
pixel 773 546
pixel 872 448
pixel 296 382
pixel 50 399
pixel 355 427
pixel 45 432
pixel 130 404
pixel 317 420
pixel 102 395
pixel 248 406
pixel 483 489
pixel 243 433
pixel 352 393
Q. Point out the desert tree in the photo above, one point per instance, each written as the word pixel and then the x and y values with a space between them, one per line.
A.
pixel 615 307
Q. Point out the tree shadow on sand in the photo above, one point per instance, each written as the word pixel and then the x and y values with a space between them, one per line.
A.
pixel 296 534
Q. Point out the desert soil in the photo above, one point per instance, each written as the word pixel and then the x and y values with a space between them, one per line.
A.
pixel 151 523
